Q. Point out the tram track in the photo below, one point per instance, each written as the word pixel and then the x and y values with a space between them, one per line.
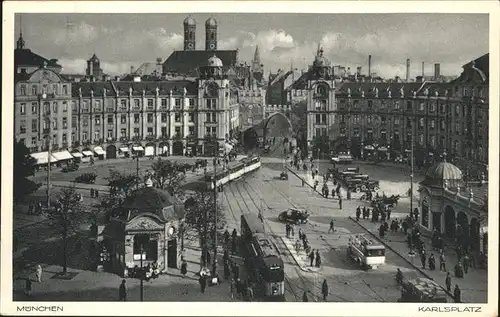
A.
pixel 378 296
pixel 291 285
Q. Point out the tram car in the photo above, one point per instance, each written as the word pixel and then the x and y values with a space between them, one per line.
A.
pixel 264 264
pixel 235 170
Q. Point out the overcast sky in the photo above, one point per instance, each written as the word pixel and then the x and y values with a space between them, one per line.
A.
pixel 124 40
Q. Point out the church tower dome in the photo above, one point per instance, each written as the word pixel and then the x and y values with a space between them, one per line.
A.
pixel 211 35
pixel 189 34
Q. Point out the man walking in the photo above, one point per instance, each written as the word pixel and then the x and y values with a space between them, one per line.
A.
pixel 203 282
pixel 122 292
pixel 311 257
pixel 324 290
pixel 39 273
pixel 332 228
pixel 340 202
pixel 442 262
pixel 448 282
pixel 358 213
pixel 456 294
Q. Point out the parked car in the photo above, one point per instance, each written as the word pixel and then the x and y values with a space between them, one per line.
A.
pixel 292 215
pixel 86 178
pixel 284 175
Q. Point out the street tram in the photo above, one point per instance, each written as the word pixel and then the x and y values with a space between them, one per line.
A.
pixel 422 290
pixel 234 171
pixel 366 252
pixel 264 264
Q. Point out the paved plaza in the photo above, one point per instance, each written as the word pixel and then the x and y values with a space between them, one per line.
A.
pixel 261 190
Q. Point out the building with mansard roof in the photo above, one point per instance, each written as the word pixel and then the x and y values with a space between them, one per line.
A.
pixel 378 119
pixel 117 118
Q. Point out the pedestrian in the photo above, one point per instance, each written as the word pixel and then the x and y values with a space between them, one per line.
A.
pixel 226 236
pixel 318 259
pixel 234 234
pixel 332 227
pixel 456 294
pixel 303 182
pixel 39 272
pixel 203 282
pixel 250 292
pixel 28 287
pixel 184 268
pixel 304 297
pixel 209 258
pixel 233 287
pixel 233 246
pixel 92 192
pixel 381 231
pixel 324 290
pixel 388 214
pixel 348 194
pixel 448 282
pixel 292 230
pixel 423 259
pixel 287 230
pixel 358 213
pixel 340 203
pixel 459 270
pixel 227 272
pixel 122 291
pixel 465 261
pixel 311 257
pixel 432 262
pixel 442 262
pixel 333 193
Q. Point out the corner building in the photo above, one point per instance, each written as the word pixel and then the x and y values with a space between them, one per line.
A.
pixel 368 118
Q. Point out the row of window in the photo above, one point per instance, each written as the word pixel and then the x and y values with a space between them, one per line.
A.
pixel 54 89
pixel 123 134
pixel 459 109
pixel 137 119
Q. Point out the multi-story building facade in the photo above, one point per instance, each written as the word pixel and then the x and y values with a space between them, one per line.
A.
pixel 114 118
pixel 42 110
pixel 380 118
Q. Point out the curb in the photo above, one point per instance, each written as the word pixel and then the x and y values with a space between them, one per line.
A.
pixel 295 259
pixel 298 176
pixel 405 259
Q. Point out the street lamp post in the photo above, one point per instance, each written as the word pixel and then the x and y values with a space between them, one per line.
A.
pixel 215 219
pixel 137 169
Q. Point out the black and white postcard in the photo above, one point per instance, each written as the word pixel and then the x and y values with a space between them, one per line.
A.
pixel 234 158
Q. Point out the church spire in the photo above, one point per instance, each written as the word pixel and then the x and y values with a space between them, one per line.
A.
pixel 20 40
pixel 256 56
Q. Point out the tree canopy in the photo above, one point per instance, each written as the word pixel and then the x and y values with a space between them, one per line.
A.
pixel 24 167
pixel 122 182
pixel 65 217
pixel 167 175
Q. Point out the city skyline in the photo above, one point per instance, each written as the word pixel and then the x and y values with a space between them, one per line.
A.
pixel 283 40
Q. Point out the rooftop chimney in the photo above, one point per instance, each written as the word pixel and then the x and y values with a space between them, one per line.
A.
pixel 158 61
pixel 131 69
pixel 369 65
pixel 437 72
pixel 408 70
pixel 423 72
pixel 358 70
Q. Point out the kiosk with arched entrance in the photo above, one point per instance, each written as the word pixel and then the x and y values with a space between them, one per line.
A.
pixel 147 227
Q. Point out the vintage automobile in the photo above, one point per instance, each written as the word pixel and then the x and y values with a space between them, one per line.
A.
pixel 292 215
pixel 267 148
pixel 284 175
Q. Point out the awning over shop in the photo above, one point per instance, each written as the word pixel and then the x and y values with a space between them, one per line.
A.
pixel 369 147
pixel 62 155
pixel 149 151
pixel 137 148
pixel 87 153
pixel 77 154
pixel 382 149
pixel 408 151
pixel 43 158
pixel 124 149
pixel 99 151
